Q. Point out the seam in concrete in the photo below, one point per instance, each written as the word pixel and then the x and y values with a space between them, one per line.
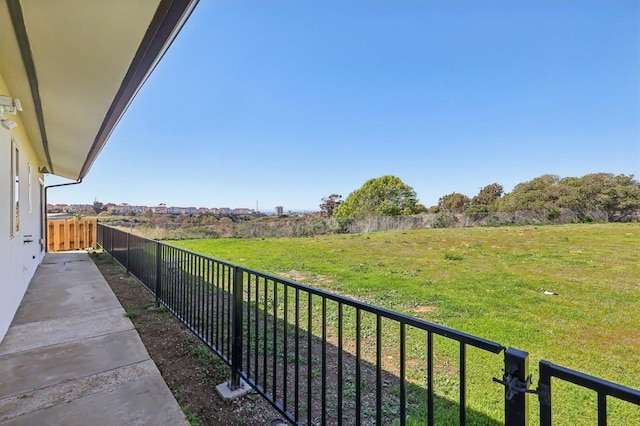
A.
pixel 84 339
pixel 65 392
pixel 15 333
pixel 71 380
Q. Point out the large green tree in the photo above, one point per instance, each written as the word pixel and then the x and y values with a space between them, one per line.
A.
pixel 617 195
pixel 454 202
pixel 540 193
pixel 383 196
pixel 486 199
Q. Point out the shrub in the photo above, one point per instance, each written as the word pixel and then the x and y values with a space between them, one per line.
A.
pixel 453 256
pixel 553 214
pixel 444 220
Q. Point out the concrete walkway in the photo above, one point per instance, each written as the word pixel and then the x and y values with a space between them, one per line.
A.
pixel 71 357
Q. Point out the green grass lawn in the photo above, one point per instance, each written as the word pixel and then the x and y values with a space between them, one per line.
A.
pixel 488 282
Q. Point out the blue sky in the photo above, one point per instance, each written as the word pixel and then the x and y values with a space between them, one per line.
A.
pixel 283 102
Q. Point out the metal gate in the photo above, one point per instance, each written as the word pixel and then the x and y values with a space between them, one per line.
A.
pixel 517 381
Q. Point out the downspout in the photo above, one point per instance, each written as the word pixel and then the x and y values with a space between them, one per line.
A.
pixel 46 212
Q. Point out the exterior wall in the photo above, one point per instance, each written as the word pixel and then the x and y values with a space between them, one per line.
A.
pixel 19 258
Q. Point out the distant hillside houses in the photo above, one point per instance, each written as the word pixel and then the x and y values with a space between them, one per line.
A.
pixel 161 209
pixel 68 208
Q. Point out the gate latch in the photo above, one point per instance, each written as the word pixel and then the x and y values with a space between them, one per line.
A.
pixel 515 386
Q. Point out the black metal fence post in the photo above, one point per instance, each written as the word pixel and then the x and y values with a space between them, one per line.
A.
pixel 158 289
pixel 516 404
pixel 128 249
pixel 544 383
pixel 236 338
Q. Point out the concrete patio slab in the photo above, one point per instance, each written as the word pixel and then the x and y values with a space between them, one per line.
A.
pixel 65 284
pixel 71 357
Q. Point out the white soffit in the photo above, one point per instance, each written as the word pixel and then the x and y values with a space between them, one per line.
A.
pixel 82 51
pixel 76 65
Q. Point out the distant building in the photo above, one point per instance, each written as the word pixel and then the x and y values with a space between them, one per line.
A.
pixel 279 210
pixel 241 211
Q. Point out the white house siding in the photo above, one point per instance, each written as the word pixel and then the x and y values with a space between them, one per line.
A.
pixel 18 257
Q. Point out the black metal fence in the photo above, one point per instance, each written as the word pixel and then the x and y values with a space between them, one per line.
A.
pixel 320 358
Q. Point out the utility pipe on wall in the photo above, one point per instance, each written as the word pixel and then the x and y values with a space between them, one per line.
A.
pixel 46 218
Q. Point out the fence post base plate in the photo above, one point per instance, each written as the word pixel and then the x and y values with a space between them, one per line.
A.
pixel 227 394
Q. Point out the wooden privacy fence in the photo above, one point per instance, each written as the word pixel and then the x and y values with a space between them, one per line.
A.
pixel 71 234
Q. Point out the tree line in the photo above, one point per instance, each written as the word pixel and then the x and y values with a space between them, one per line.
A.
pixel 616 195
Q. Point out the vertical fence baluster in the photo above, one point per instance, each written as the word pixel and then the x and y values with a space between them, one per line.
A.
pixel 602 409
pixel 195 290
pixel 158 273
pixel 207 310
pixel 177 273
pixel 285 348
pixel 203 298
pixel 248 340
pixel 265 362
pixel 463 384
pixel 378 370
pixel 200 280
pixel 212 307
pixel 309 358
pixel 430 416
pixel 403 401
pixel 324 361
pixel 168 277
pixel 193 293
pixel 296 383
pixel 340 378
pixel 358 371
pixel 182 295
pixel 275 341
pixel 257 321
pixel 128 243
pixel 219 311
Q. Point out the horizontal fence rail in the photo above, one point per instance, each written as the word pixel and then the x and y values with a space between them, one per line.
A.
pixel 318 357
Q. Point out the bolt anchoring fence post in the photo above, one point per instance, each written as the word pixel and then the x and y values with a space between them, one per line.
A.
pixel 516 404
pixel 158 287
pixel 236 350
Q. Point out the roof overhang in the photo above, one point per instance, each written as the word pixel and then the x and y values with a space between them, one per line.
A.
pixel 76 65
